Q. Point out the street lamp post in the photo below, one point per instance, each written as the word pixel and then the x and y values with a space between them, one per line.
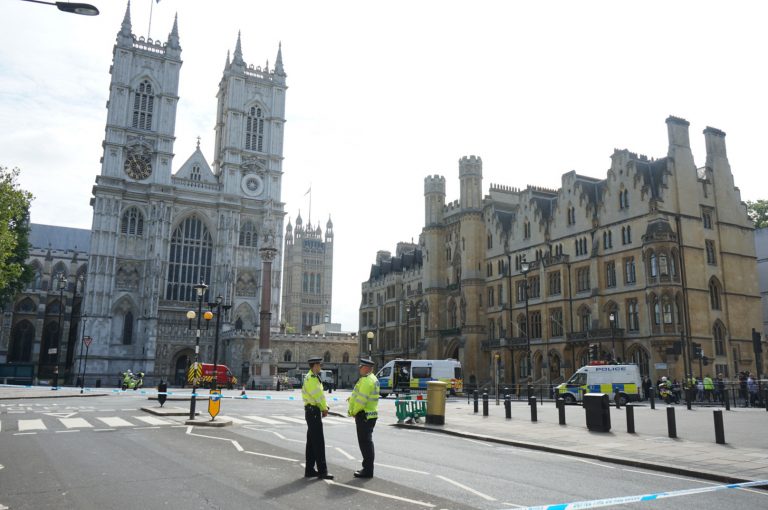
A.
pixel 369 336
pixel 72 7
pixel 62 283
pixel 612 319
pixel 408 309
pixel 218 306
pixel 509 304
pixel 525 267
pixel 200 288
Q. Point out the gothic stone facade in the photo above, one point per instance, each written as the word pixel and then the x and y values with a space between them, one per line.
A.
pixel 662 247
pixel 157 234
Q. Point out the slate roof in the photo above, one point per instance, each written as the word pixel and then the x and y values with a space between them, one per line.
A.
pixel 59 238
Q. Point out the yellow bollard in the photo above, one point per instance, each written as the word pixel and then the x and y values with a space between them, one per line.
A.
pixel 436 402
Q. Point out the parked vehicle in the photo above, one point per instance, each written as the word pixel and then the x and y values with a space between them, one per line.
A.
pixel 224 376
pixel 621 382
pixel 406 375
pixel 132 381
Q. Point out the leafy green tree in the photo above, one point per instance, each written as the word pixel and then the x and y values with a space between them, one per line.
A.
pixel 758 212
pixel 15 274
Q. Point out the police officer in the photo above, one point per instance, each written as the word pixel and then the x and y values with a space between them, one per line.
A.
pixel 315 409
pixel 363 405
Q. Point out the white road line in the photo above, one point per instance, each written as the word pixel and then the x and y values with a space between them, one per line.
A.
pixel 272 456
pixel 289 418
pixel 24 433
pixel 67 431
pixel 114 421
pixel 345 454
pixel 468 489
pixel 477 442
pixel 238 421
pixel 402 468
pixel 25 425
pixel 338 421
pixel 75 423
pixel 381 494
pixel 148 427
pixel 152 420
pixel 1 429
pixel 261 419
pixel 237 446
pixel 103 430
pixel 512 505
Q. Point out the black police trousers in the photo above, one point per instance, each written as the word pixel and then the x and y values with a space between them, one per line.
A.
pixel 315 450
pixel 365 440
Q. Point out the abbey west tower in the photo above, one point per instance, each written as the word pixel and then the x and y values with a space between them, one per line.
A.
pixel 156 234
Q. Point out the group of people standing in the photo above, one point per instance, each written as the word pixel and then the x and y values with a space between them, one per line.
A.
pixel 362 405
pixel 705 389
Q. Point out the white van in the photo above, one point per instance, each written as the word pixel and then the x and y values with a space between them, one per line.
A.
pixel 406 375
pixel 621 382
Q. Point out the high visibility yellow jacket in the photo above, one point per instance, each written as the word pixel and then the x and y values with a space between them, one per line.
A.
pixel 365 397
pixel 709 384
pixel 312 392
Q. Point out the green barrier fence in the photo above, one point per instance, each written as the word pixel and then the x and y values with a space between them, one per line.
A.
pixel 411 410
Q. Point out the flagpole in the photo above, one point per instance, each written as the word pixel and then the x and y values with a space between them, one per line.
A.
pixel 149 30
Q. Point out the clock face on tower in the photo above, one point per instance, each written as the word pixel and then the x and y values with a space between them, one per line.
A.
pixel 252 185
pixel 138 166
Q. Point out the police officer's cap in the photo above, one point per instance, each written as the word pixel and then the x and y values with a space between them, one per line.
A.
pixel 364 362
pixel 315 359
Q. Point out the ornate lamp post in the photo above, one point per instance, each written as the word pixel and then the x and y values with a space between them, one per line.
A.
pixel 200 288
pixel 61 281
pixel 369 336
pixel 218 307
pixel 525 267
pixel 612 319
pixel 72 7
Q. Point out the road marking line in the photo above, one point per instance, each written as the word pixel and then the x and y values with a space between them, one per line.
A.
pixel 381 494
pixel 1 429
pixel 148 427
pixel 338 421
pixel 114 421
pixel 238 421
pixel 237 446
pixel 103 430
pixel 289 418
pixel 61 415
pixel 345 454
pixel 67 431
pixel 73 423
pixel 272 456
pixel 278 434
pixel 402 468
pixel 477 442
pixel 152 420
pixel 24 433
pixel 261 419
pixel 512 505
pixel 469 489
pixel 25 425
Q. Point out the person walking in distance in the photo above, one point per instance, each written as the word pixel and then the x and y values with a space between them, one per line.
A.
pixel 315 409
pixel 363 405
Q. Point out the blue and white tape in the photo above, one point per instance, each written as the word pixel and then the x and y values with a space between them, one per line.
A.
pixel 623 500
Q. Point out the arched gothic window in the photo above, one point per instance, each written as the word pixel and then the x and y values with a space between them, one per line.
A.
pixel 128 328
pixel 190 259
pixel 327 357
pixel 345 358
pixel 196 175
pixel 143 106
pixel 22 337
pixel 132 222
pixel 714 294
pixel 248 235
pixel 718 332
pixel 254 130
pixel 287 355
pixel 653 265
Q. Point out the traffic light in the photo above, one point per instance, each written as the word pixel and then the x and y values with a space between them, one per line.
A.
pixel 705 361
pixel 593 351
pixel 697 353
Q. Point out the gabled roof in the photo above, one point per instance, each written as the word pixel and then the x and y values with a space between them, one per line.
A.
pixel 59 238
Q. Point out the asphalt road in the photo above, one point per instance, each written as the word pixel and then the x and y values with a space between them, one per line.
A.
pixel 104 452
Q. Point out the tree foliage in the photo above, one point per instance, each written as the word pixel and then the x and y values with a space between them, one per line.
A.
pixel 758 212
pixel 15 274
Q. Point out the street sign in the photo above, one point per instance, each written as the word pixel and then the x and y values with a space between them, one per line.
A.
pixel 214 403
pixel 52 350
pixel 87 341
pixel 660 366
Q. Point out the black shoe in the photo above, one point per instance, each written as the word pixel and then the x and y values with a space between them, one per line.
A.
pixel 310 474
pixel 325 476
pixel 363 474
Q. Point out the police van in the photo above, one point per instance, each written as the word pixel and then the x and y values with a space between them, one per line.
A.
pixel 622 383
pixel 407 375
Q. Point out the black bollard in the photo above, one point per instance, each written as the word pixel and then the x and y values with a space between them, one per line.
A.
pixel 561 410
pixel 671 425
pixel 532 403
pixel 485 403
pixel 719 431
pixel 688 401
pixel 630 419
pixel 475 395
pixel 618 402
pixel 508 405
pixel 162 392
pixel 652 399
pixel 727 400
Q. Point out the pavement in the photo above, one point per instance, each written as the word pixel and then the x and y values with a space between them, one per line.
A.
pixel 694 452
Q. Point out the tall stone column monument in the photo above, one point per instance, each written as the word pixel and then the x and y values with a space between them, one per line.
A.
pixel 264 367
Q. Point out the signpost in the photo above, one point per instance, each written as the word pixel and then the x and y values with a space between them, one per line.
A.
pixel 87 342
pixel 214 403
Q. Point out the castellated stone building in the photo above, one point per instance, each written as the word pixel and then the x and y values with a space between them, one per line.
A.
pixel 640 265
pixel 307 277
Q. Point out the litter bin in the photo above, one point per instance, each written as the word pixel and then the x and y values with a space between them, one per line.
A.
pixel 436 402
pixel 597 408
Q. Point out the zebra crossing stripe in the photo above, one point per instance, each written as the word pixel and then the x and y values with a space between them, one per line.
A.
pixel 338 421
pixel 114 421
pixel 261 419
pixel 290 418
pixel 74 423
pixel 238 421
pixel 152 420
pixel 25 425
